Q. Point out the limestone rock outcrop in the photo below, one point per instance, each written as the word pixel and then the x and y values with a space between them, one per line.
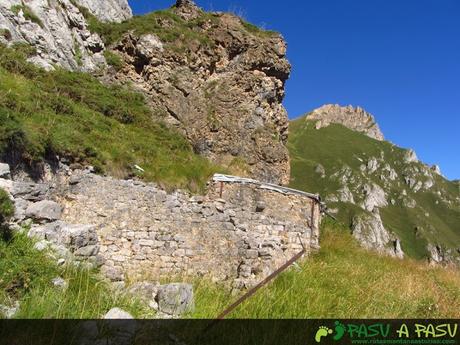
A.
pixel 356 119
pixel 369 230
pixel 108 10
pixel 223 89
pixel 58 30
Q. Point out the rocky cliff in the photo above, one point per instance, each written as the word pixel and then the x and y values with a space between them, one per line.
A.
pixel 222 86
pixel 217 78
pixel 356 119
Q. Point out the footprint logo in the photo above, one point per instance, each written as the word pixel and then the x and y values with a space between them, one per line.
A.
pixel 340 330
pixel 323 331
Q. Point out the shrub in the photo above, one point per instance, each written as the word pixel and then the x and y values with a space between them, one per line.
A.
pixel 6 34
pixel 113 60
pixel 6 206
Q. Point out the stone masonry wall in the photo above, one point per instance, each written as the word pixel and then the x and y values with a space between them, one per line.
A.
pixel 240 236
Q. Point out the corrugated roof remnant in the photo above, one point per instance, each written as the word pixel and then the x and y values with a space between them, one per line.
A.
pixel 263 185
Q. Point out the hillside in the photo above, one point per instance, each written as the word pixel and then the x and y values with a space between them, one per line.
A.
pixel 364 180
pixel 72 117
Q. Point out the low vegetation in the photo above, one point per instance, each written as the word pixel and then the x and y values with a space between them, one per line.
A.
pixel 26 276
pixel 113 60
pixel 169 27
pixel 6 206
pixel 345 281
pixel 178 34
pixel 70 114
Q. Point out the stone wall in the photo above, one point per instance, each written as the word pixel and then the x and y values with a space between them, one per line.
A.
pixel 239 232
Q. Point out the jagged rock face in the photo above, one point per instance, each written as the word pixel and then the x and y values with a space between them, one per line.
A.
pixel 225 96
pixel 354 118
pixel 187 9
pixel 58 30
pixel 368 229
pixel 108 10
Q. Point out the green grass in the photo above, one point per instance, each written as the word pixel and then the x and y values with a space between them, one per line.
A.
pixel 336 146
pixel 73 115
pixel 26 274
pixel 345 281
pixel 255 30
pixel 169 27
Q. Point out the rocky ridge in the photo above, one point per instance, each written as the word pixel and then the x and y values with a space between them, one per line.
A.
pixel 356 119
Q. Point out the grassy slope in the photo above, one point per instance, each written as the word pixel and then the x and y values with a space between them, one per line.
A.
pixel 336 146
pixel 346 281
pixel 74 115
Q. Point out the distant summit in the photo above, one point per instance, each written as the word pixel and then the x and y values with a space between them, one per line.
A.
pixel 353 118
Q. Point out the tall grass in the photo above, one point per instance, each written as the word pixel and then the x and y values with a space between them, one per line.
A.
pixel 26 276
pixel 345 281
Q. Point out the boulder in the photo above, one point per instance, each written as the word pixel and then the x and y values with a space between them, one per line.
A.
pixel 30 191
pixel 175 299
pixel 9 311
pixel 118 314
pixel 374 197
pixel 59 283
pixel 44 210
pixel 369 230
pixel 20 208
pixel 79 239
pixel 5 171
pixel 410 156
pixel 435 168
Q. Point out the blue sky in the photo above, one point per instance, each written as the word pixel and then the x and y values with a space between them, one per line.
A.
pixel 398 59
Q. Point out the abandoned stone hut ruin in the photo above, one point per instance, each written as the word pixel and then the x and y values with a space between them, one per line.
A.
pixel 240 231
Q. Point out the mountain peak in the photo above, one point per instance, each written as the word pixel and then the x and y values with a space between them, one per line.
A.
pixel 355 118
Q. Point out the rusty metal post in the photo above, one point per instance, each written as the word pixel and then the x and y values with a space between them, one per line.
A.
pixel 221 189
pixel 261 284
pixel 313 205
